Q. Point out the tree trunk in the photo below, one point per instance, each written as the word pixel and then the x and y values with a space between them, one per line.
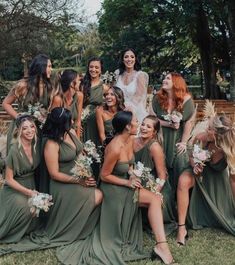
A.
pixel 205 45
pixel 231 16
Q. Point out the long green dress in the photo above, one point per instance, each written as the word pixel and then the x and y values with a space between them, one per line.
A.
pixel 90 129
pixel 15 217
pixel 212 203
pixel 175 163
pixel 118 236
pixel 23 104
pixel 108 127
pixel 144 156
pixel 73 215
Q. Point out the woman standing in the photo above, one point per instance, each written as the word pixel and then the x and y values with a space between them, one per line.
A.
pixel 211 203
pixel 114 102
pixel 31 90
pixel 69 97
pixel 148 150
pixel 16 220
pixel 133 82
pixel 93 90
pixel 174 107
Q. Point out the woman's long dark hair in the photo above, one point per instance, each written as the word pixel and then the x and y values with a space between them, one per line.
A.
pixel 58 122
pixel 120 120
pixel 37 72
pixel 121 65
pixel 86 82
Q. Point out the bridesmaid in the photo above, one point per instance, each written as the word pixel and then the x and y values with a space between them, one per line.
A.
pixel 211 203
pixel 67 95
pixel 93 90
pixel 174 96
pixel 22 160
pixel 36 88
pixel 114 102
pixel 119 236
pixel 148 150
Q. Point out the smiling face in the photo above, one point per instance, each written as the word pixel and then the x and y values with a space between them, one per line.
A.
pixel 147 130
pixel 48 69
pixel 129 60
pixel 110 98
pixel 27 130
pixel 134 125
pixel 167 83
pixel 94 69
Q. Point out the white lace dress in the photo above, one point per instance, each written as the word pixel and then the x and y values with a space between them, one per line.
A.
pixel 135 93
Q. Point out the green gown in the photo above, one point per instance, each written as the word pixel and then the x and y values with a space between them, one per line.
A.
pixel 73 215
pixel 15 217
pixel 23 107
pixel 144 156
pixel 118 237
pixel 108 127
pixel 212 203
pixel 90 129
pixel 175 163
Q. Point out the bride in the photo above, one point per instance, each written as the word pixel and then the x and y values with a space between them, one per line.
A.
pixel 133 82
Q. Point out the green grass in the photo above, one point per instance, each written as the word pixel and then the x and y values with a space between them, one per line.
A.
pixel 204 247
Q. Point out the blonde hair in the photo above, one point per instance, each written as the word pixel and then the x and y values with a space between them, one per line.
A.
pixel 225 138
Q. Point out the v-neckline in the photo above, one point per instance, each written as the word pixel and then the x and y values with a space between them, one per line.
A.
pixel 30 162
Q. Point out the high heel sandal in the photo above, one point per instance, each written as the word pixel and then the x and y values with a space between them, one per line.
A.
pixel 154 255
pixel 186 237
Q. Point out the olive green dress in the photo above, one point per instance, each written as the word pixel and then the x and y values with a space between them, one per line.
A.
pixel 90 129
pixel 108 127
pixel 144 156
pixel 175 163
pixel 15 217
pixel 23 103
pixel 118 236
pixel 212 203
pixel 73 215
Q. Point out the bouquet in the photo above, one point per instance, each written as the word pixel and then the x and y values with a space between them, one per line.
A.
pixel 174 117
pixel 200 156
pixel 82 168
pixel 87 112
pixel 2 181
pixel 40 201
pixel 147 179
pixel 109 78
pixel 38 112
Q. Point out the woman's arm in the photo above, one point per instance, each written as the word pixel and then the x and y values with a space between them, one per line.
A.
pixel 16 185
pixel 158 156
pixel 56 102
pixel 51 153
pixel 100 123
pixel 79 109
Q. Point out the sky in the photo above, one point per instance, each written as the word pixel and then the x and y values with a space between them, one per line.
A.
pixel 91 7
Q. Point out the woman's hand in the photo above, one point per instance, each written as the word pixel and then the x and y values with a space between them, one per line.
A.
pixel 134 182
pixel 181 147
pixel 88 182
pixel 197 169
pixel 175 125
pixel 32 193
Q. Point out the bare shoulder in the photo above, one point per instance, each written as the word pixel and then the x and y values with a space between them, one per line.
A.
pixel 187 97
pixel 155 148
pixel 99 109
pixel 113 148
pixel 51 145
pixel 57 100
pixel 80 95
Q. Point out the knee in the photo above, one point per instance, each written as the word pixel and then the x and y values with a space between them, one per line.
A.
pixel 185 182
pixel 98 197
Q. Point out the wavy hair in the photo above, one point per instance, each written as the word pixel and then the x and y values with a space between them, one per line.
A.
pixel 179 89
pixel 121 65
pixel 118 93
pixel 225 138
pixel 157 127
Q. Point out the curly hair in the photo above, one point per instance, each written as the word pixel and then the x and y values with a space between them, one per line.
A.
pixel 179 89
pixel 225 138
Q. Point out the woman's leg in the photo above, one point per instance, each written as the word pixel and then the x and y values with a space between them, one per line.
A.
pixel 186 181
pixel 98 197
pixel 154 204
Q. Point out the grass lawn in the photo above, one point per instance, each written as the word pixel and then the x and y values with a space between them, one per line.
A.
pixel 204 247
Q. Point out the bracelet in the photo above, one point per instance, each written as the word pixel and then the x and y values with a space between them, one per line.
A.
pixel 160 182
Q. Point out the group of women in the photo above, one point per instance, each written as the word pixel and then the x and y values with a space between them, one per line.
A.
pixel 102 224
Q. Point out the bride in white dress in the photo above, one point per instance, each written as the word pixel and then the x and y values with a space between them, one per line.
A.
pixel 134 83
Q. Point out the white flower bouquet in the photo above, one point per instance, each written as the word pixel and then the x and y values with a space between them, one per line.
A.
pixel 174 117
pixel 40 201
pixel 2 181
pixel 38 112
pixel 109 78
pixel 200 156
pixel 87 112
pixel 147 179
pixel 82 168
